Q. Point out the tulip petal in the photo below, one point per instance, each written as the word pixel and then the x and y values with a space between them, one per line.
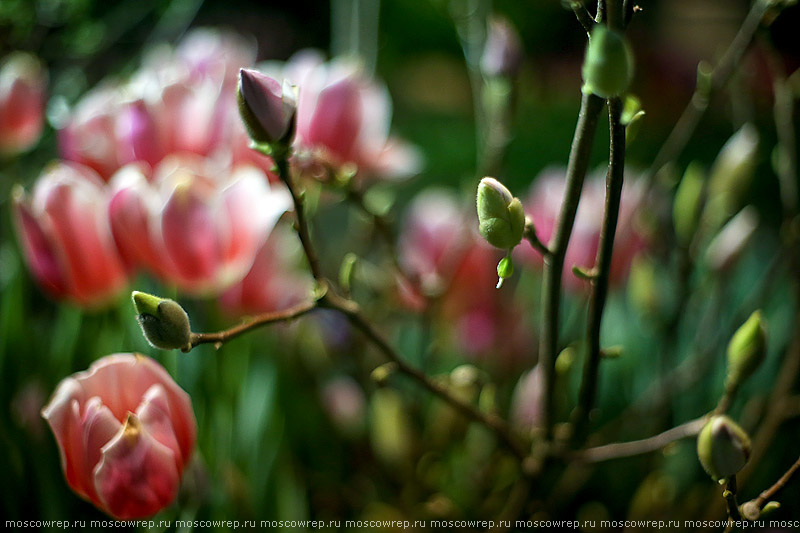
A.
pixel 191 232
pixel 42 257
pixel 137 475
pixel 98 427
pixel 337 120
pixel 155 415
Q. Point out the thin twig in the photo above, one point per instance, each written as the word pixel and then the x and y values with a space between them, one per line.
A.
pixel 252 323
pixel 328 298
pixel 554 263
pixel 360 322
pixel 730 500
pixel 530 235
pixel 614 182
pixel 770 493
pixel 619 450
pixel 722 72
pixel 583 15
pixel 282 163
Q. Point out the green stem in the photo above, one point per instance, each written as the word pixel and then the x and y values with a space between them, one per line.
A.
pixel 614 182
pixel 554 263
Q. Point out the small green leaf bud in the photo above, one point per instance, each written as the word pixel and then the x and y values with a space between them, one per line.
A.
pixel 747 349
pixel 164 323
pixel 608 66
pixel 501 216
pixel 505 269
pixel 722 447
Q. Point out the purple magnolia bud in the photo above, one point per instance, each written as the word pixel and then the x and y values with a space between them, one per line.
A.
pixel 268 108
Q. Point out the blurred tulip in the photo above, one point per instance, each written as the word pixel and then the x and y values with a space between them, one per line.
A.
pixel 433 240
pixel 180 100
pixel 442 252
pixel 65 234
pixel 274 282
pixel 89 136
pixel 544 204
pixel 22 98
pixel 343 117
pixel 201 234
pixel 125 431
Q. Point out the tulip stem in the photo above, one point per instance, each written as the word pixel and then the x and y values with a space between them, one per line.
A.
pixel 719 76
pixel 580 152
pixel 621 450
pixel 602 269
pixel 251 323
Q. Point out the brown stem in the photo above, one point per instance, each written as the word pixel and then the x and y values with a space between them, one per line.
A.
pixel 530 235
pixel 770 493
pixel 722 72
pixel 251 323
pixel 360 322
pixel 330 299
pixel 282 163
pixel 619 450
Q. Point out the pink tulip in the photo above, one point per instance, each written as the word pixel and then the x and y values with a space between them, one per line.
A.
pixel 544 204
pixel 198 232
pixel 181 101
pixel 274 282
pixel 22 95
pixel 66 238
pixel 125 431
pixel 434 240
pixel 343 117
pixel 89 136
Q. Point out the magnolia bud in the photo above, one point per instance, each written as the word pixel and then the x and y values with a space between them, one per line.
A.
pixel 164 323
pixel 501 217
pixel 268 109
pixel 734 168
pixel 608 66
pixel 688 200
pixel 747 349
pixel 722 447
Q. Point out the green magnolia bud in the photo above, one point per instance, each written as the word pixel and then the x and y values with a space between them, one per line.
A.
pixel 747 349
pixel 501 217
pixel 608 66
pixel 722 447
pixel 734 169
pixel 164 323
pixel 688 200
